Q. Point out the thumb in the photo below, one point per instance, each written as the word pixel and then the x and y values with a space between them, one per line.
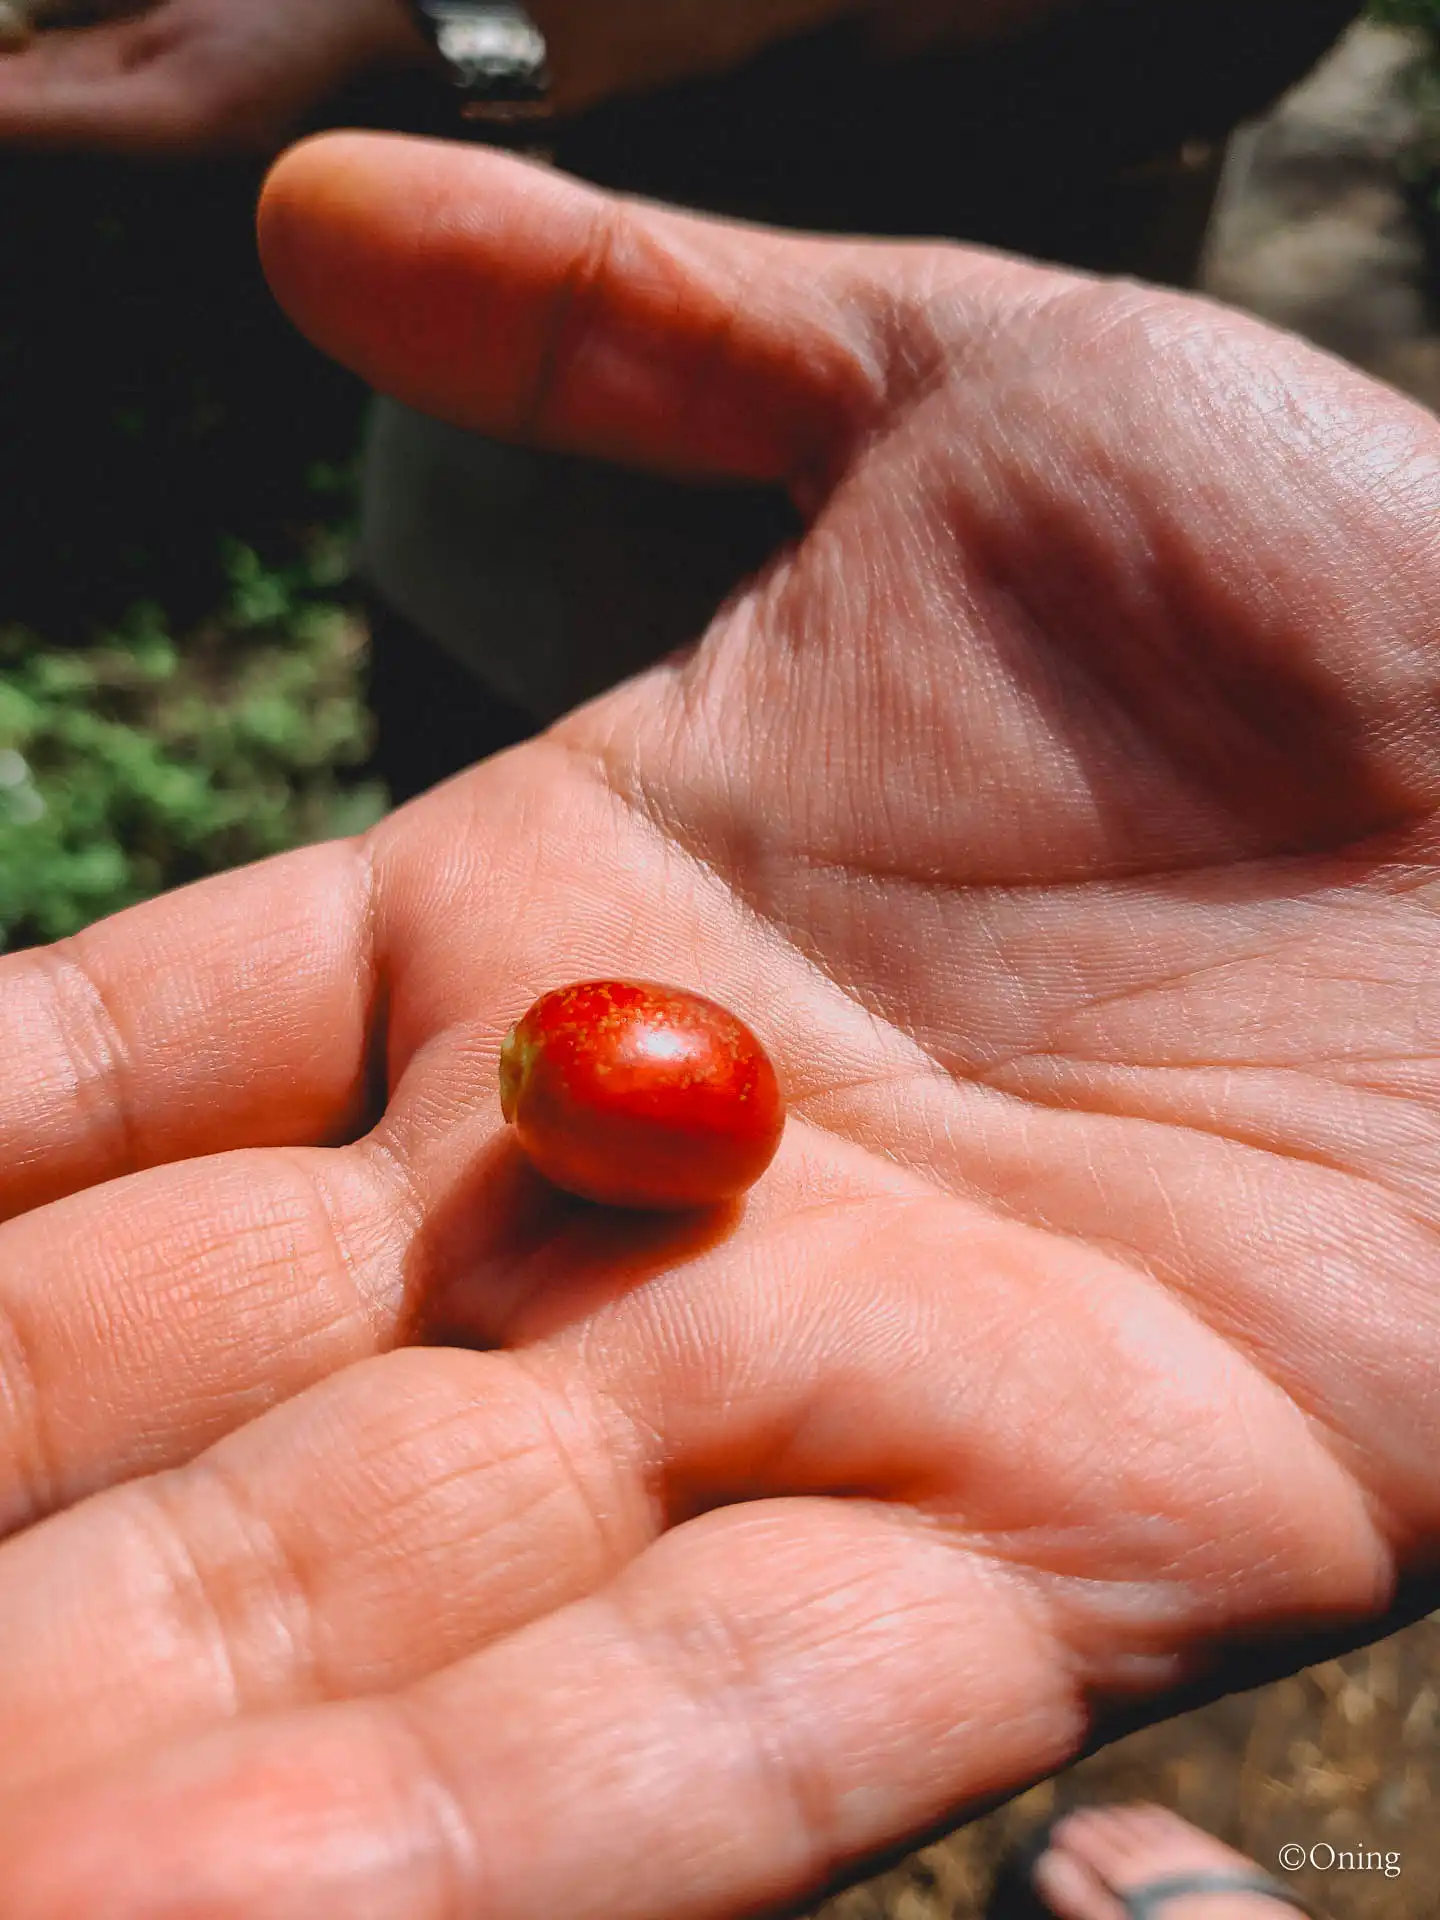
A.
pixel 509 299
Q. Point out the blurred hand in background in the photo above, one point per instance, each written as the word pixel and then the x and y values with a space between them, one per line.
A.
pixel 190 77
pixel 196 76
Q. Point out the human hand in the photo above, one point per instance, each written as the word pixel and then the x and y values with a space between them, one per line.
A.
pixel 1061 811
pixel 183 77
pixel 189 77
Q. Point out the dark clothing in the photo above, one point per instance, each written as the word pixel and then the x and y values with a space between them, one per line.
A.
pixel 1015 145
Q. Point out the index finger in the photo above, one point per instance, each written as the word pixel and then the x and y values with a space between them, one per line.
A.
pixel 233 1013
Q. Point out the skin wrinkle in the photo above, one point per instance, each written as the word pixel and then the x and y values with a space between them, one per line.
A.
pixel 584 306
pixel 1064 1658
pixel 988 1076
pixel 1213 1130
pixel 1182 1288
pixel 368 1310
pixel 765 919
pixel 577 304
pixel 188 1583
pixel 286 1234
pixel 1041 681
pixel 938 333
pixel 1242 375
pixel 1191 762
pixel 101 1078
pixel 1329 424
pixel 767 1467
pixel 1210 973
pixel 1075 1025
pixel 870 874
pixel 705 370
pixel 643 806
pixel 854 413
pixel 254 1577
pixel 1111 1625
pixel 292 1604
pixel 1023 587
pixel 1174 863
pixel 648 1444
pixel 375 1070
pixel 703 1488
pixel 766 1755
pixel 517 1517
pixel 993 1550
pixel 826 1842
pixel 620 1460
pixel 1263 1131
pixel 153 1318
pixel 1333 1435
pixel 32 1465
pixel 466 1892
pixel 298 1604
pixel 100 1136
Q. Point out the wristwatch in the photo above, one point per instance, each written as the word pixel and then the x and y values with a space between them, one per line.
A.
pixel 498 64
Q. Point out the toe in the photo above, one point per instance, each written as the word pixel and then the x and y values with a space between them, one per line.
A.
pixel 1072 1890
pixel 1112 1841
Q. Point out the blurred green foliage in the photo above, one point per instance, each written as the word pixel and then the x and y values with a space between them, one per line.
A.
pixel 181 658
pixel 1423 164
pixel 1408 13
pixel 130 766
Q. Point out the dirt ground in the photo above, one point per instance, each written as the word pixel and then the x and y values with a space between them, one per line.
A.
pixel 1346 1756
pixel 1313 232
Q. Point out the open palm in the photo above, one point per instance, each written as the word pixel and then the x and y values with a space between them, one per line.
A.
pixel 1060 810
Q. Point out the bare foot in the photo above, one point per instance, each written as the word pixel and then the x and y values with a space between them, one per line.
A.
pixel 1100 1855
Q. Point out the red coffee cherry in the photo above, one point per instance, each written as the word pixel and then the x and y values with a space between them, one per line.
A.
pixel 638 1095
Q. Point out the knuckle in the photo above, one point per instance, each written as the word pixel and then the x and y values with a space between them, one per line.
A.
pixel 241 1588
pixel 29 1475
pixel 94 1049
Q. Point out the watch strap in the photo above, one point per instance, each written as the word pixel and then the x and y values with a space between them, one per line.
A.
pixel 497 61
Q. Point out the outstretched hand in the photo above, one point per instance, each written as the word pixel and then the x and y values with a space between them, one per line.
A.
pixel 1061 811
pixel 190 77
